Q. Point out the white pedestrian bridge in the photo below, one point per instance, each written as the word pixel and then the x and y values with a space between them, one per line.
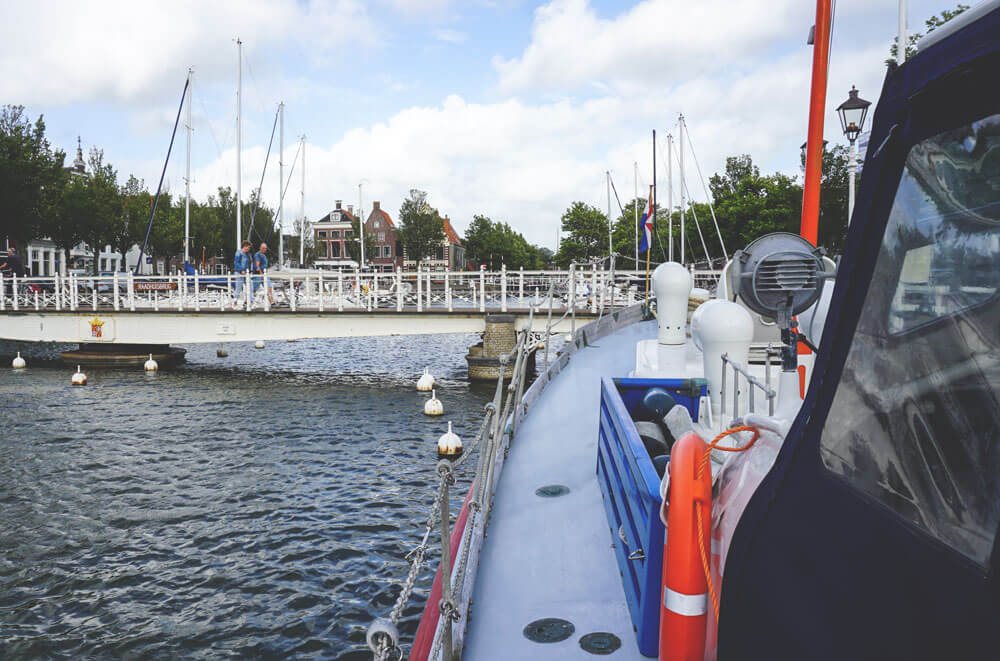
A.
pixel 187 309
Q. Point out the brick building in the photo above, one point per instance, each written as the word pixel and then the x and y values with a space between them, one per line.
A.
pixel 331 234
pixel 388 253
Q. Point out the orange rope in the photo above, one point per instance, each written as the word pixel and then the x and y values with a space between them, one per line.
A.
pixel 701 531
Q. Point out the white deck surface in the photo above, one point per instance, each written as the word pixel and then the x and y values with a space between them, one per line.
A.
pixel 553 557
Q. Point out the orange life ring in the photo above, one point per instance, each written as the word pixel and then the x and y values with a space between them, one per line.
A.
pixel 684 608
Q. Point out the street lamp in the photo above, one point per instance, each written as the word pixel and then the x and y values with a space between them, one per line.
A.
pixel 852 120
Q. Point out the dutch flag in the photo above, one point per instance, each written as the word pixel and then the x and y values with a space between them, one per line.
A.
pixel 647 224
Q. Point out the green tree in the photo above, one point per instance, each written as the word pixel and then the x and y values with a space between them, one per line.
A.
pixel 931 24
pixel 135 204
pixel 31 175
pixel 421 230
pixel 586 230
pixel 497 243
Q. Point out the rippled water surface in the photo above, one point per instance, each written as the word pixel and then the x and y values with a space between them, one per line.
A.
pixel 258 505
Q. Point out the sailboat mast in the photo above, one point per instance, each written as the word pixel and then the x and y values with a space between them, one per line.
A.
pixel 187 179
pixel 680 158
pixel 361 223
pixel 670 193
pixel 817 107
pixel 239 142
pixel 281 186
pixel 653 215
pixel 607 176
pixel 302 235
pixel 635 207
pixel 903 36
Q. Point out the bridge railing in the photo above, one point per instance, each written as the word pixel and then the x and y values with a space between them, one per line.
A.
pixel 581 287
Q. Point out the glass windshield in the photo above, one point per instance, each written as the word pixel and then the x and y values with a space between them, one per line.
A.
pixel 915 421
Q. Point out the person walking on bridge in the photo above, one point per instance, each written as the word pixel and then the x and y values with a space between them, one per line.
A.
pixel 241 264
pixel 260 267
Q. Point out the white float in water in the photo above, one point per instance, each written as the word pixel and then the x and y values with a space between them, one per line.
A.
pixel 449 445
pixel 259 344
pixel 18 363
pixel 426 381
pixel 433 405
pixel 79 379
pixel 150 365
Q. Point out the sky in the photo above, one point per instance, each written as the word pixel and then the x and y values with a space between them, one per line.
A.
pixel 502 108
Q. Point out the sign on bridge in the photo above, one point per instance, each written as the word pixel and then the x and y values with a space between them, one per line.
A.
pixel 154 286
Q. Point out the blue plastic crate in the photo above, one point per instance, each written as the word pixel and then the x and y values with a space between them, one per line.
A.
pixel 631 491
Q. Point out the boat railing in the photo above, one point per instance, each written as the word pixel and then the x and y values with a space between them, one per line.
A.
pixel 748 386
pixel 441 636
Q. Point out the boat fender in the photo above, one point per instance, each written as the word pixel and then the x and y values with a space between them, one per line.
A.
pixel 449 445
pixel 79 379
pixel 150 365
pixel 684 607
pixel 18 362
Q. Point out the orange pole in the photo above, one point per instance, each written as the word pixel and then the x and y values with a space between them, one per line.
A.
pixel 817 108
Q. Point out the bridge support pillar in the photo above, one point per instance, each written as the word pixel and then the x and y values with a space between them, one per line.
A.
pixel 123 355
pixel 499 338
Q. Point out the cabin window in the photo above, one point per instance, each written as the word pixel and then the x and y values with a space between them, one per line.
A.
pixel 915 422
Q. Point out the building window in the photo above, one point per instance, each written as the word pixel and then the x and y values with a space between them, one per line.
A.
pixel 334 249
pixel 348 233
pixel 321 234
pixel 387 251
pixel 377 224
pixel 381 237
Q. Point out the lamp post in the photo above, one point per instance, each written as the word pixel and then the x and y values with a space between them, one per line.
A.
pixel 852 119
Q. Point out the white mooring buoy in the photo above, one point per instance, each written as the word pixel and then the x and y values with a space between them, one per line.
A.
pixel 449 445
pixel 259 344
pixel 18 363
pixel 150 365
pixel 79 379
pixel 426 381
pixel 433 405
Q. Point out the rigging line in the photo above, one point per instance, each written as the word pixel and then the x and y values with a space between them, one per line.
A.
pixel 159 187
pixel 260 187
pixel 208 123
pixel 290 171
pixel 708 197
pixel 615 191
pixel 695 214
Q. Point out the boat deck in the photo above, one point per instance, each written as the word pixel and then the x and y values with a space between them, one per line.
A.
pixel 553 557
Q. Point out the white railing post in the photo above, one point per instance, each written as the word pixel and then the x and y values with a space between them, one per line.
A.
pixel 420 300
pixel 340 291
pixel 447 290
pixel 248 290
pixel 571 299
pixel 290 292
pixel 430 300
pixel 482 288
pixel 503 288
pixel 156 300
pixel 131 292
pixel 197 293
pixel 3 293
pixel 93 291
pixel 520 289
pixel 114 289
pixel 182 290
pixel 14 290
pixel 593 288
pixel 319 291
pixel 36 299
pixel 224 296
pixel 399 290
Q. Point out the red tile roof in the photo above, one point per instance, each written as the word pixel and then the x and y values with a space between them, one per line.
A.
pixel 450 233
pixel 385 217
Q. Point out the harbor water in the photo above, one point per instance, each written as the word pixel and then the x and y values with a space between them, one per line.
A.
pixel 258 505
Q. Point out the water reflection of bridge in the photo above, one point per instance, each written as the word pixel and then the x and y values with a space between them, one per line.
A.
pixel 127 309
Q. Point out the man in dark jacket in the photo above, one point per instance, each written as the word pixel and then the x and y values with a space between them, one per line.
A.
pixel 12 264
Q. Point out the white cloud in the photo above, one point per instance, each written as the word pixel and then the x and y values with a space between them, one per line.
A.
pixel 126 51
pixel 654 43
pixel 450 36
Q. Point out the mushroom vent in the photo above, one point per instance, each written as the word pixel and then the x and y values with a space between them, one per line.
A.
pixel 779 272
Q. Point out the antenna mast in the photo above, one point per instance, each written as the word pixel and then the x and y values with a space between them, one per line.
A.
pixel 187 179
pixel 281 186
pixel 302 236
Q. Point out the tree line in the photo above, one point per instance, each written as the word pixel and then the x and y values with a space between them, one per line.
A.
pixel 747 204
pixel 41 198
